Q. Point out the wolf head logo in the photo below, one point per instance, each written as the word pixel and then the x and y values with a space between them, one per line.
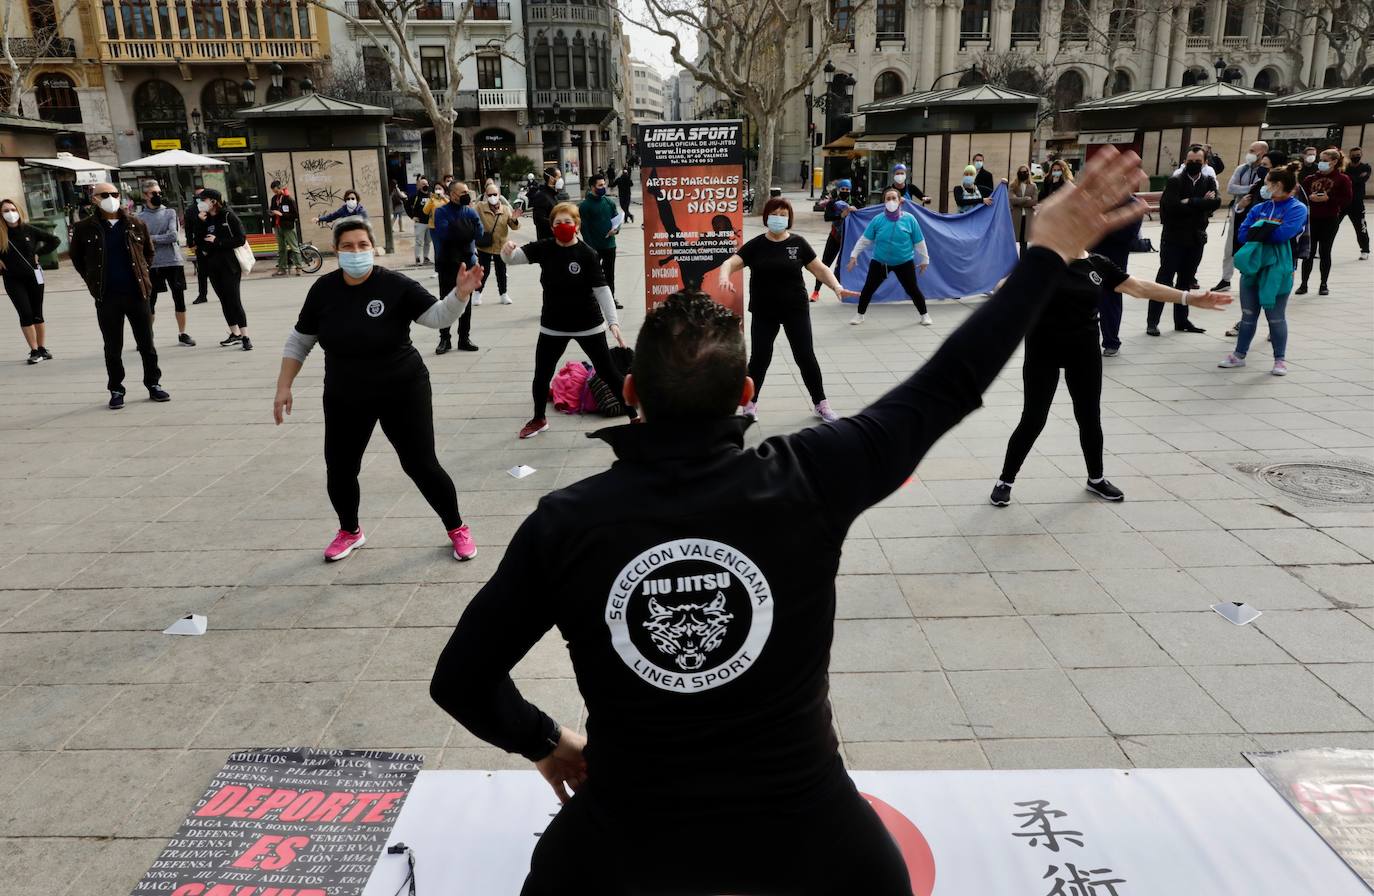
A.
pixel 688 632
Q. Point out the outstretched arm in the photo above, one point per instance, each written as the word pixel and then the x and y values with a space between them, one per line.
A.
pixel 1158 292
pixel 883 443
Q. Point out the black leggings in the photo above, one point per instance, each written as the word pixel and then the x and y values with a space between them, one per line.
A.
pixel 548 351
pixel 490 261
pixel 1355 212
pixel 796 322
pixel 225 276
pixel 406 412
pixel 1082 365
pixel 27 299
pixel 448 278
pixel 1323 237
pixel 906 275
pixel 839 847
pixel 828 255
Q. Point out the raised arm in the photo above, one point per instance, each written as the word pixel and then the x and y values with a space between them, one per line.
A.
pixel 857 461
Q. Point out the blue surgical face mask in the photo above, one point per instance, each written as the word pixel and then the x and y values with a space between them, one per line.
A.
pixel 1266 193
pixel 356 264
pixel 968 180
pixel 777 223
pixel 1323 166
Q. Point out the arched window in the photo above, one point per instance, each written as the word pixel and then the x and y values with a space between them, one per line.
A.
pixel 160 113
pixel 972 78
pixel 594 65
pixel 1025 20
pixel 543 63
pixel 56 95
pixel 888 85
pixel 561 68
pixel 1268 80
pixel 1121 81
pixel 579 61
pixel 1195 75
pixel 1068 90
pixel 218 101
pixel 975 22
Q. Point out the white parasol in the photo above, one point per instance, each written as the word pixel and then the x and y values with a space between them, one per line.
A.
pixel 176 158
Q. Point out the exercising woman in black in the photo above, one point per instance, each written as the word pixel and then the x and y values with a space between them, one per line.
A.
pixel 1065 337
pixel 20 245
pixel 361 316
pixel 578 305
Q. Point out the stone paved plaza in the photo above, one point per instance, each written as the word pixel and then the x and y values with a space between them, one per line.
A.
pixel 1057 632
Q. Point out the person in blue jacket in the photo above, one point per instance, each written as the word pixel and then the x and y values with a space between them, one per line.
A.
pixel 351 207
pixel 897 242
pixel 1272 223
pixel 457 231
pixel 835 212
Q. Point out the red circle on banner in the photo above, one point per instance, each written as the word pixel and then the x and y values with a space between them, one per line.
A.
pixel 920 861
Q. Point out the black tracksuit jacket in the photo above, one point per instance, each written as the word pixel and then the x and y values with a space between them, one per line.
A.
pixel 694 582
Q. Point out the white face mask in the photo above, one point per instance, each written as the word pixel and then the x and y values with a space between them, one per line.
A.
pixel 892 205
pixel 899 179
pixel 558 184
pixel 351 204
pixel 203 206
pixel 109 205
pixel 493 201
pixel 1309 159
pixel 1251 158
pixel 11 217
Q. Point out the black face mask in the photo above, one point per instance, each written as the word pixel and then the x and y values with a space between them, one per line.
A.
pixel 844 194
pixel 1023 175
pixel 422 189
pixel 1193 168
pixel 155 200
pixel 1356 157
pixel 465 199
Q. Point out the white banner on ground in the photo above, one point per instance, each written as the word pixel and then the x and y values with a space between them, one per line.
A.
pixel 1144 832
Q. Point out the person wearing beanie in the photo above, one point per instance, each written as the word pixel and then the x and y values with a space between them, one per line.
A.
pixel 901 182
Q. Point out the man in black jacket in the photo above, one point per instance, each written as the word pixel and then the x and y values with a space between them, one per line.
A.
pixel 694 582
pixel 542 200
pixel 1189 199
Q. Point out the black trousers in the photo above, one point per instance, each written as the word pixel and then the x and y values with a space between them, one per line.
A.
pixel 201 278
pixel 1355 212
pixel 489 262
pixel 110 313
pixel 1177 268
pixel 763 331
pixel 1109 305
pixel 173 279
pixel 625 207
pixel 226 277
pixel 838 847
pixel 406 413
pixel 548 351
pixel 828 255
pixel 27 299
pixel 1323 238
pixel 1082 364
pixel 607 257
pixel 905 274
pixel 448 278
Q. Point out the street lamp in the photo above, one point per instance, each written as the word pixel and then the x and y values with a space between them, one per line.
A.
pixel 249 91
pixel 1220 66
pixel 197 135
pixel 276 75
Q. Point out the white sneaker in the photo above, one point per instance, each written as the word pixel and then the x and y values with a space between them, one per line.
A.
pixel 857 319
pixel 1364 256
pixel 505 299
pixel 926 321
pixel 477 298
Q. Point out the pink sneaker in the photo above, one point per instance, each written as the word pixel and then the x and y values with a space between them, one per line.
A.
pixel 343 545
pixel 823 411
pixel 464 548
pixel 1280 368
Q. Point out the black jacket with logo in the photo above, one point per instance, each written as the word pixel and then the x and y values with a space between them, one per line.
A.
pixel 1185 223
pixel 694 582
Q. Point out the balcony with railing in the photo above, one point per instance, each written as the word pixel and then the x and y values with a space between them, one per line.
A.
pixel 489 12
pixel 271 49
pixel 1198 41
pixel 496 100
pixel 42 48
pixel 430 12
pixel 573 99
pixel 569 12
pixel 1235 41
pixel 1273 41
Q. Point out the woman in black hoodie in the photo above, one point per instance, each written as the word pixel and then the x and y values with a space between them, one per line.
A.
pixel 218 234
pixel 20 245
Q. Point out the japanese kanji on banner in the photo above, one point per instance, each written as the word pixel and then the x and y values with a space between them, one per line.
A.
pixel 1091 832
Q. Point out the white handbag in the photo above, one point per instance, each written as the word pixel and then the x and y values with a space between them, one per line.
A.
pixel 244 254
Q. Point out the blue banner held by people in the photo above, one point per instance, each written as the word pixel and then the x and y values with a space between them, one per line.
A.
pixel 969 253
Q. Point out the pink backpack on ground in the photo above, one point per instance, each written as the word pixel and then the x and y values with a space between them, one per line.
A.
pixel 568 386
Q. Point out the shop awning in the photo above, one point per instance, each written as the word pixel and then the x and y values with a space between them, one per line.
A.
pixel 840 144
pixel 65 161
pixel 1297 131
pixel 877 142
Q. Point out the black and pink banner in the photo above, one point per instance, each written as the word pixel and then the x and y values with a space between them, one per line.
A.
pixel 286 822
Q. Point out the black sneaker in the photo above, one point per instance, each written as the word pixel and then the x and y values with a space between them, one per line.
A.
pixel 1001 495
pixel 231 339
pixel 35 356
pixel 116 400
pixel 1189 328
pixel 1151 330
pixel 1110 352
pixel 247 344
pixel 1323 291
pixel 1106 491
pixel 185 339
pixel 157 393
pixel 1222 286
pixel 47 355
pixel 200 301
pixel 467 345
pixel 619 307
pixel 1301 290
pixel 444 345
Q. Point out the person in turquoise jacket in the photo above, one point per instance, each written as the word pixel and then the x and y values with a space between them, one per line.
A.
pixel 897 242
pixel 599 229
pixel 1265 262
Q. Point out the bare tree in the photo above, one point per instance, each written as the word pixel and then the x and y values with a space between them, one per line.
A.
pixel 345 79
pixel 743 52
pixel 1347 26
pixel 1111 31
pixel 386 30
pixel 21 54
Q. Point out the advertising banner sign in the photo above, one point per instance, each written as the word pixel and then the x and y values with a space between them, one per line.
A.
pixel 1333 790
pixel 1074 832
pixel 693 177
pixel 289 821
